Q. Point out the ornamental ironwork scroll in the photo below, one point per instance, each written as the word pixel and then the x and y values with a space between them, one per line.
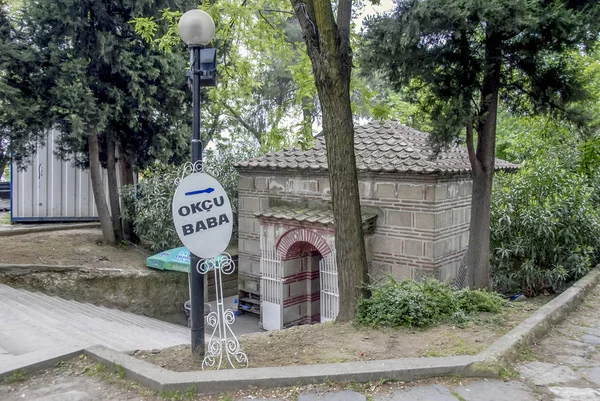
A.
pixel 223 344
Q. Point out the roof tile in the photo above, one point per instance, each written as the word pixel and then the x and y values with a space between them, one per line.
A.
pixel 322 215
pixel 379 147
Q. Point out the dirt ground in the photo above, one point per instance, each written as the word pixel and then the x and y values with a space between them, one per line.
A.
pixel 81 247
pixel 331 343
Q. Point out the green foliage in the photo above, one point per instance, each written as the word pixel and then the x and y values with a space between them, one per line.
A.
pixel 17 376
pixel 18 112
pixel 410 304
pixel 526 137
pixel 475 301
pixel 148 206
pixel 545 224
pixel 80 67
pixel 442 51
pixel 266 88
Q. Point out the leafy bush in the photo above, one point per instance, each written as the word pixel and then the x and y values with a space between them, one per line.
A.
pixel 148 205
pixel 410 304
pixel 545 225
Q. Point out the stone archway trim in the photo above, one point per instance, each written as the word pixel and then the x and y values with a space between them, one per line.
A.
pixel 289 238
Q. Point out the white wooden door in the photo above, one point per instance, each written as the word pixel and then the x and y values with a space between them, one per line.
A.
pixel 271 287
pixel 330 300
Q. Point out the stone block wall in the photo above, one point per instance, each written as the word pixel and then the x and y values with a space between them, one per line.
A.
pixel 301 291
pixel 421 229
pixel 453 216
pixel 258 191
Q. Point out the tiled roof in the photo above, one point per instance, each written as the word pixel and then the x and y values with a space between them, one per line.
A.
pixel 382 147
pixel 310 215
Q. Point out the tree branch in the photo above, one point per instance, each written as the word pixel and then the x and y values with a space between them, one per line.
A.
pixel 273 28
pixel 344 15
pixel 258 135
pixel 305 14
pixel 470 146
pixel 277 11
pixel 326 25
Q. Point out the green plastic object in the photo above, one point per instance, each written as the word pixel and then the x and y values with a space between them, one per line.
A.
pixel 177 259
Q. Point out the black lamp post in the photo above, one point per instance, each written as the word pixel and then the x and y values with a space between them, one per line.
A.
pixel 197 29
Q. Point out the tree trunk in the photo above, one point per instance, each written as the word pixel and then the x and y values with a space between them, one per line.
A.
pixel 478 254
pixel 3 163
pixel 328 46
pixel 127 179
pixel 349 237
pixel 108 235
pixel 113 188
pixel 482 165
pixel 307 117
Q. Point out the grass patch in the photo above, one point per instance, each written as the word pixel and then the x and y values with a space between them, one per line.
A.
pixel 527 354
pixel 120 370
pixel 17 376
pixel 189 395
pixel 458 396
pixel 5 219
pixel 508 373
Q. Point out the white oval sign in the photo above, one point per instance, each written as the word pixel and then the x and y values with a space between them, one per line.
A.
pixel 202 215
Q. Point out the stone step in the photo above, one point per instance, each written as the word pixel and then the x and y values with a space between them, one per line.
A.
pixel 119 317
pixel 73 323
pixel 72 328
pixel 117 337
pixel 147 321
pixel 78 307
pixel 27 328
pixel 114 315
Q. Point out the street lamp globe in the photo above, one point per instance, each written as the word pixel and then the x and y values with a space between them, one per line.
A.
pixel 196 28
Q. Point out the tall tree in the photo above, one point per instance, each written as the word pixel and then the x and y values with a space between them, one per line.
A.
pixel 265 91
pixel 21 127
pixel 104 88
pixel 257 37
pixel 327 39
pixel 469 54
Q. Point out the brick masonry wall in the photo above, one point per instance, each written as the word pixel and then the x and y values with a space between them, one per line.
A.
pixel 421 229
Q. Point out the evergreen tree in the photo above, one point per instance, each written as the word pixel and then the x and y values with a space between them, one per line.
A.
pixel 21 127
pixel 108 92
pixel 466 56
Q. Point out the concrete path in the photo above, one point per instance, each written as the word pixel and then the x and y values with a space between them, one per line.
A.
pixel 564 366
pixel 33 322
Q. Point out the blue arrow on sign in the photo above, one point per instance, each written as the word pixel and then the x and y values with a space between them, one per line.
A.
pixel 200 191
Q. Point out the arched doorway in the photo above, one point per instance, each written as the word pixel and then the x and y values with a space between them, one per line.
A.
pixel 310 288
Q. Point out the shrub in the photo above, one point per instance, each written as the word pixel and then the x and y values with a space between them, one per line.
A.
pixel 545 225
pixel 148 205
pixel 410 304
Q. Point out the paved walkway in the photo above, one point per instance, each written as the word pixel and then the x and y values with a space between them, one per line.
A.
pixel 565 366
pixel 32 322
